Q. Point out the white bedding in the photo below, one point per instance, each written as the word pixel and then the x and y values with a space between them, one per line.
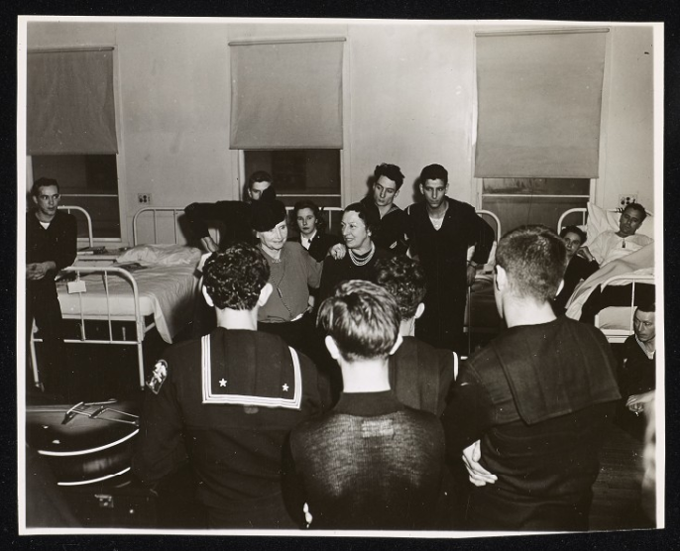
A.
pixel 166 292
pixel 639 263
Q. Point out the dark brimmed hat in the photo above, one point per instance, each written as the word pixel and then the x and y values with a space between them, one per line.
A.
pixel 267 214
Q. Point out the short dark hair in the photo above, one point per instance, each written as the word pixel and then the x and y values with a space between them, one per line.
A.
pixel 259 176
pixel 638 207
pixel 434 172
pixel 41 183
pixel 534 257
pixel 307 204
pixel 235 277
pixel 362 318
pixel 404 278
pixel 647 306
pixel 393 172
pixel 368 218
pixel 574 229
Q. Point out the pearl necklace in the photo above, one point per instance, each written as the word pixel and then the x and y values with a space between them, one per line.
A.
pixel 362 261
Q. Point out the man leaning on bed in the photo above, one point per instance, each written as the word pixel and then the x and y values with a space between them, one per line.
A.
pixel 530 411
pixel 228 400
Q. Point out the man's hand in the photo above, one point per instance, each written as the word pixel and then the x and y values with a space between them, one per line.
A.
pixel 471 272
pixel 337 251
pixel 585 253
pixel 636 402
pixel 38 270
pixel 479 476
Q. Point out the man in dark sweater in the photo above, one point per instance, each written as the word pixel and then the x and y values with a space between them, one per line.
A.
pixel 536 403
pixel 441 229
pixel 391 221
pixel 51 237
pixel 229 400
pixel 371 463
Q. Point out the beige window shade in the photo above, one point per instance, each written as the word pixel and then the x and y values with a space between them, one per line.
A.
pixel 286 95
pixel 70 104
pixel 539 97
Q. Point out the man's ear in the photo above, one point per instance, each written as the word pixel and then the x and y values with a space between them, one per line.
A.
pixel 397 193
pixel 264 294
pixel 422 191
pixel 332 347
pixel 501 278
pixel 397 344
pixel 419 310
pixel 207 296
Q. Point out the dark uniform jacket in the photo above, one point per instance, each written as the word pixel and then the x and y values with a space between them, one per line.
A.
pixel 391 232
pixel 229 399
pixel 540 398
pixel 321 242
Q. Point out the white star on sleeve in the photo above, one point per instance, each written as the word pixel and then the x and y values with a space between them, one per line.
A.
pixel 223 382
pixel 285 387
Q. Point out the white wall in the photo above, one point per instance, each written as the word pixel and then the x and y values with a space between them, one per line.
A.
pixel 409 100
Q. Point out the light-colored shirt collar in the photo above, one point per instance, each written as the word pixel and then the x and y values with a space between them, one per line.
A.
pixel 307 241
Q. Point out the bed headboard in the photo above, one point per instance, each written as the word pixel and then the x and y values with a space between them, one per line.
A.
pixel 88 220
pixel 153 225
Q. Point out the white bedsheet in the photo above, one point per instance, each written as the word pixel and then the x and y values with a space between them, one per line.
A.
pixel 166 292
pixel 635 264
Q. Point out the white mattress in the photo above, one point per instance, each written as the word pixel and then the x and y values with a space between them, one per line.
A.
pixel 165 292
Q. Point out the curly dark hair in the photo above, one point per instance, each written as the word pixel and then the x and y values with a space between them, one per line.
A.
pixel 235 277
pixel 404 279
pixel 41 183
pixel 362 318
pixel 535 259
pixel 393 172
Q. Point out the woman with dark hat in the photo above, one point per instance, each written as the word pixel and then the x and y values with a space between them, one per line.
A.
pixel 293 272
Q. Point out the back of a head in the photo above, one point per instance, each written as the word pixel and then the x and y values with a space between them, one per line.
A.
pixel 534 258
pixel 235 277
pixel 393 172
pixel 362 318
pixel 404 279
pixel 434 172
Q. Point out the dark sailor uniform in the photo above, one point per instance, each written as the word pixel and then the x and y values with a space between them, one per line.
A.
pixel 228 400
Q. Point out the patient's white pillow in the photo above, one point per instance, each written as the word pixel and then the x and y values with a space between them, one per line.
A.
pixel 161 255
pixel 600 220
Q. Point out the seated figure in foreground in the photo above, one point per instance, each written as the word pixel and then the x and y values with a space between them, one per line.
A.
pixel 371 463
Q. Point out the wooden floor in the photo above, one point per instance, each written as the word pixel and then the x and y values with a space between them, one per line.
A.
pixel 616 493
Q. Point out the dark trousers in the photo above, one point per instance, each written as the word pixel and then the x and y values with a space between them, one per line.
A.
pixel 42 305
pixel 615 296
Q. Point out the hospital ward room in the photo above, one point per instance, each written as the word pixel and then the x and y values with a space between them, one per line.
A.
pixel 339 276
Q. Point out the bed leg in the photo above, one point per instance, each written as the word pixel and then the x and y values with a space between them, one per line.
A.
pixel 140 363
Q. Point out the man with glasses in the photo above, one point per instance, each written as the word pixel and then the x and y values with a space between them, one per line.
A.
pixel 51 237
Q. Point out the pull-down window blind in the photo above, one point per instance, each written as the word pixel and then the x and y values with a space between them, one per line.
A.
pixel 539 97
pixel 286 95
pixel 70 104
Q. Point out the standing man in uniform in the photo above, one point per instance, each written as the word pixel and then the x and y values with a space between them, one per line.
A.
pixel 51 237
pixel 391 221
pixel 536 403
pixel 441 231
pixel 229 400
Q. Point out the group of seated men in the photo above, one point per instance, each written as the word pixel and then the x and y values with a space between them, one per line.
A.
pixel 526 415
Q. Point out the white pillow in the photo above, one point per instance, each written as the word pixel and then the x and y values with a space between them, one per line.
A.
pixel 600 220
pixel 162 255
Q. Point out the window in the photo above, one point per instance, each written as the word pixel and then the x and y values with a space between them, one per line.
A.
pixel 71 131
pixel 300 174
pixel 286 114
pixel 519 201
